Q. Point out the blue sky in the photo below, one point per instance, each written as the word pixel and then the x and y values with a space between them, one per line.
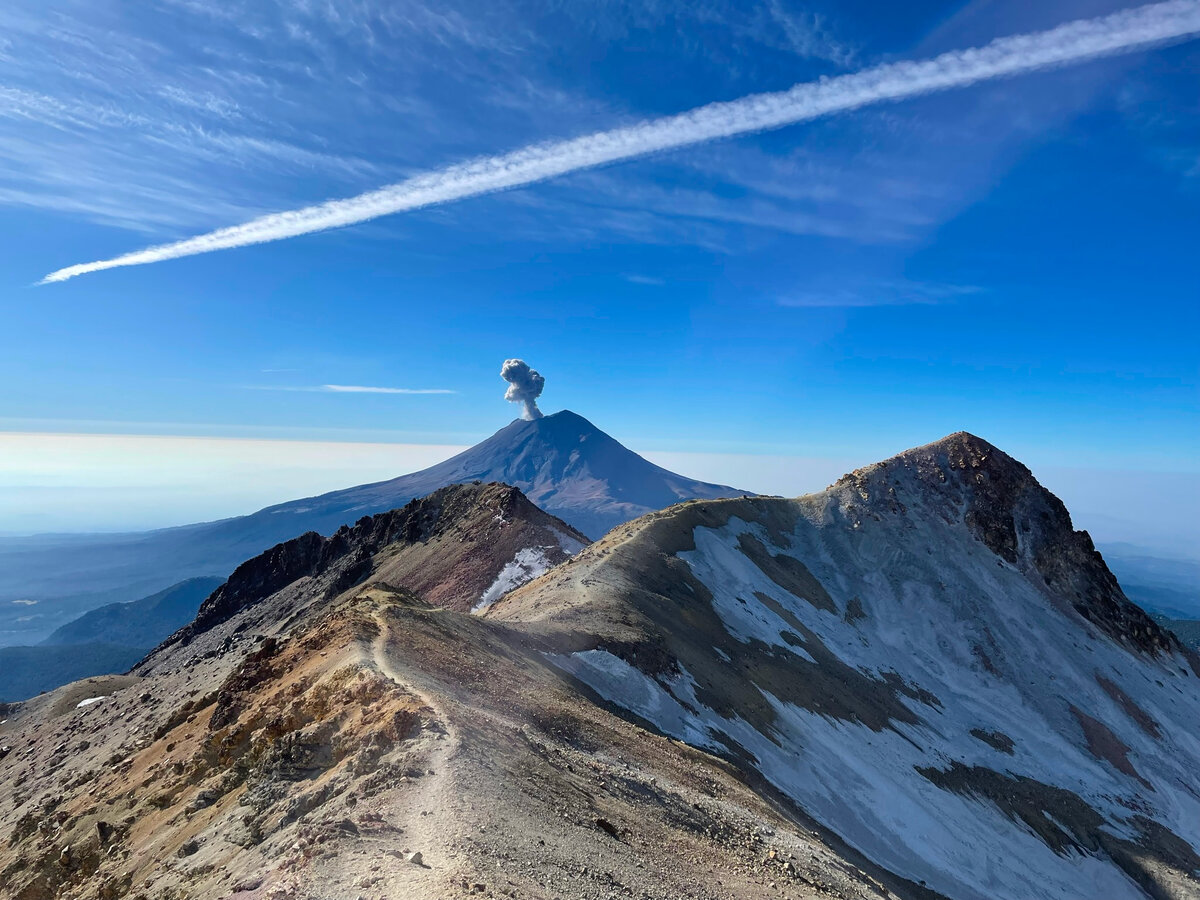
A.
pixel 1016 258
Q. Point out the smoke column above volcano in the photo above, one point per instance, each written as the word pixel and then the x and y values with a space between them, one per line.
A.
pixel 524 386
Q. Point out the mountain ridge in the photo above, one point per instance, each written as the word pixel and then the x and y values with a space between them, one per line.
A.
pixel 869 692
pixel 925 657
pixel 1017 519
pixel 568 465
pixel 351 550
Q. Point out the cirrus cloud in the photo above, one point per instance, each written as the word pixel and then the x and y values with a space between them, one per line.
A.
pixel 1073 42
pixel 350 389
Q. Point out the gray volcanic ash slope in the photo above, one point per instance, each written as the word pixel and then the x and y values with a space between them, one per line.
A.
pixel 926 658
pixel 919 683
pixel 563 463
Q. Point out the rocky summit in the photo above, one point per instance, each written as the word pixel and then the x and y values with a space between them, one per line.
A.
pixel 920 683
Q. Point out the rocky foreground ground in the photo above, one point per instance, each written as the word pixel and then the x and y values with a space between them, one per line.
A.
pixel 366 743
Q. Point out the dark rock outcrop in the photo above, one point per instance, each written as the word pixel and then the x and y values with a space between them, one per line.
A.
pixel 347 557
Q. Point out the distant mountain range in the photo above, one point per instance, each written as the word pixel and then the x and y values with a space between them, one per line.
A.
pixel 109 639
pixel 562 462
pixel 140 623
pixel 1162 585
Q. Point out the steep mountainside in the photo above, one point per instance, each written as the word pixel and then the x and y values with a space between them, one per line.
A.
pixel 926 658
pixel 562 462
pixel 919 683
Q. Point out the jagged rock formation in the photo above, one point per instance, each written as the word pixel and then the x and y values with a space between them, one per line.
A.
pixel 1017 519
pixel 441 535
pixel 914 684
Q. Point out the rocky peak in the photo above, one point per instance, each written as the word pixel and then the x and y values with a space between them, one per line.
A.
pixel 347 556
pixel 997 498
pixel 954 471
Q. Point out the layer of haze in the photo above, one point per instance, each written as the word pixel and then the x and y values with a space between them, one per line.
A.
pixel 105 482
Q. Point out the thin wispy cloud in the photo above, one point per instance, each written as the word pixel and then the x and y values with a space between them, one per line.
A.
pixel 363 389
pixel 807 36
pixel 881 293
pixel 1070 43
pixel 347 388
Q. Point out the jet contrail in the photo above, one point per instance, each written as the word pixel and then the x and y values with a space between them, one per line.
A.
pixel 1120 32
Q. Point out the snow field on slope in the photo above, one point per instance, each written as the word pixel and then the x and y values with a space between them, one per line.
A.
pixel 528 564
pixel 932 594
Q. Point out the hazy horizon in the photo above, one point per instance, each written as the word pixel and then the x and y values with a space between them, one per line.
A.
pixel 97 483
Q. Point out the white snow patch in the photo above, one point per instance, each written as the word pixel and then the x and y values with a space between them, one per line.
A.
pixel 528 564
pixel 616 680
pixel 569 545
pixel 89 701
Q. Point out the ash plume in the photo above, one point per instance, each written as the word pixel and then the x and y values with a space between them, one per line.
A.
pixel 524 386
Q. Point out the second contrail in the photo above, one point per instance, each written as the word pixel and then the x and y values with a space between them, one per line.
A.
pixel 1073 42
